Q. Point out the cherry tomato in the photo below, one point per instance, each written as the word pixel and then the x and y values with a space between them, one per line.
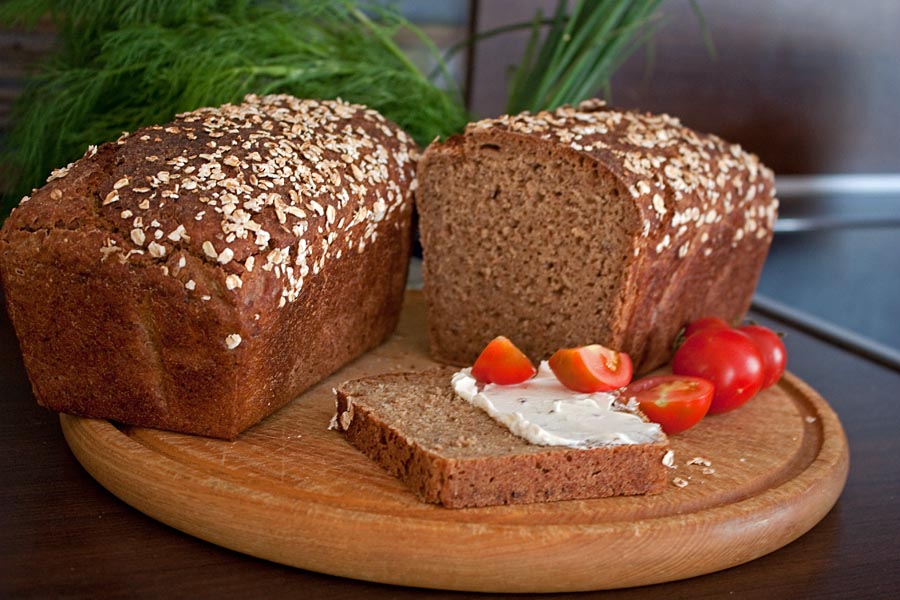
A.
pixel 705 323
pixel 501 362
pixel 676 402
pixel 771 349
pixel 593 368
pixel 727 358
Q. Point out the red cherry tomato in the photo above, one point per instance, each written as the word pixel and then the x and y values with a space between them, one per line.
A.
pixel 727 358
pixel 676 402
pixel 771 349
pixel 705 323
pixel 593 368
pixel 501 362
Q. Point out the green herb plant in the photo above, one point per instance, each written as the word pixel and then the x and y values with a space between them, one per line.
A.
pixel 579 54
pixel 120 65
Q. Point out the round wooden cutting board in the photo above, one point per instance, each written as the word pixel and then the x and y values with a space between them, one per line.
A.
pixel 289 490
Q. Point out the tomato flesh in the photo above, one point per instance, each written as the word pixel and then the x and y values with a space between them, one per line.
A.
pixel 593 368
pixel 501 362
pixel 771 349
pixel 676 402
pixel 727 358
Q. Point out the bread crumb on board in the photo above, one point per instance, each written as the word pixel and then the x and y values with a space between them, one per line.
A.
pixel 669 459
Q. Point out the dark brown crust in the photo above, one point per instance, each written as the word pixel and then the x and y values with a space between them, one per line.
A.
pixel 700 219
pixel 521 474
pixel 144 339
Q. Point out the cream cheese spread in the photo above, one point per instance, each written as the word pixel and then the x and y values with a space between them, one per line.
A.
pixel 545 412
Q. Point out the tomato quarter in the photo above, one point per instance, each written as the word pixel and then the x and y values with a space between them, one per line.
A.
pixel 593 368
pixel 771 349
pixel 727 358
pixel 503 363
pixel 676 402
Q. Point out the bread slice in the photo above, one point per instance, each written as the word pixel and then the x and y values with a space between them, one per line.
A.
pixel 587 225
pixel 452 453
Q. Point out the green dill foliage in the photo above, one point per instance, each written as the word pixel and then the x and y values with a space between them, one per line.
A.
pixel 579 51
pixel 124 64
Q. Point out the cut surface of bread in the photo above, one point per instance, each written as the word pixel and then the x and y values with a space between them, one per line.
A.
pixel 587 225
pixel 452 453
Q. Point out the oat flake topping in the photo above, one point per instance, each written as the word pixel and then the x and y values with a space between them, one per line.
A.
pixel 275 183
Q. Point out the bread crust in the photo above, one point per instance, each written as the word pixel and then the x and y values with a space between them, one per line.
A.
pixel 474 461
pixel 198 275
pixel 687 226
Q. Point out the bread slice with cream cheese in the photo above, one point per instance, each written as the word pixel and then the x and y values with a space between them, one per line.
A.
pixel 452 453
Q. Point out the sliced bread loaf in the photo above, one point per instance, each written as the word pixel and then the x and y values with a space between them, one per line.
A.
pixel 587 225
pixel 452 453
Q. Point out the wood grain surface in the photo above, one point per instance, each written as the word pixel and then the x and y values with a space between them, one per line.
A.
pixel 291 491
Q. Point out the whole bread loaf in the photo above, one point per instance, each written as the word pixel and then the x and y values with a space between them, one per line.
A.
pixel 198 275
pixel 449 452
pixel 587 225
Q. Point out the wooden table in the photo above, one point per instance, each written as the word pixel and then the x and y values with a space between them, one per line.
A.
pixel 62 534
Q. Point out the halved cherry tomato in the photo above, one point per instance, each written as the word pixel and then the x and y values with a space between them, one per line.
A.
pixel 772 350
pixel 705 323
pixel 501 362
pixel 676 402
pixel 593 368
pixel 727 358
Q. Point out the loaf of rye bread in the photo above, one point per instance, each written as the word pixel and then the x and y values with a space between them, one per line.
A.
pixel 587 225
pixel 197 276
pixel 452 453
